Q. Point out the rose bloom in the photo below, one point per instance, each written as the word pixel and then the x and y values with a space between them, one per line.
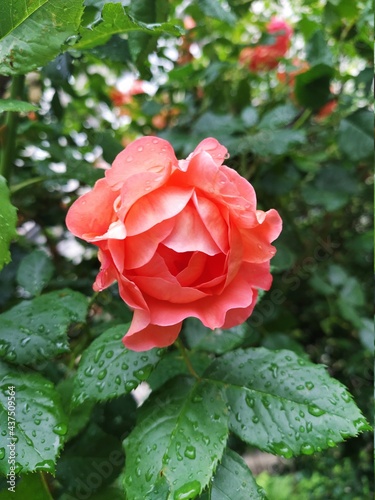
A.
pixel 181 238
pixel 266 57
pixel 326 110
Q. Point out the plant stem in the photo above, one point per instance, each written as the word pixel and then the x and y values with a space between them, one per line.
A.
pixel 11 120
pixel 185 355
pixel 17 187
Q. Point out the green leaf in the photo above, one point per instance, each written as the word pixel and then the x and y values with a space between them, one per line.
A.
pixel 34 272
pixel 272 142
pixel 279 116
pixel 172 364
pixel 312 88
pixel 318 50
pixel 141 44
pixel 13 13
pixel 218 341
pixel 179 439
pixel 213 8
pixel 283 404
pixel 107 369
pixel 28 486
pixel 40 422
pixel 16 105
pixel 35 330
pixel 78 416
pixel 356 135
pixel 249 116
pixel 233 475
pixel 8 221
pixel 89 462
pixel 115 19
pixel 23 49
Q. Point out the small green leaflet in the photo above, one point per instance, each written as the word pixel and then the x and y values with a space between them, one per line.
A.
pixel 8 220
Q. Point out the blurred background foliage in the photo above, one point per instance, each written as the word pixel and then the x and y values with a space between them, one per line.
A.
pixel 301 132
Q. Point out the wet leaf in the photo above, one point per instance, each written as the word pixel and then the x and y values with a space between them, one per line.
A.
pixel 107 369
pixel 8 220
pixel 178 441
pixel 34 272
pixel 36 330
pixel 234 478
pixel 283 404
pixel 115 19
pixel 15 105
pixel 218 341
pixel 40 422
pixel 26 26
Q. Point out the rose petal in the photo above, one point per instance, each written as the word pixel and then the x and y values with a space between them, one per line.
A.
pixel 156 280
pixel 107 274
pixel 147 154
pixel 213 220
pixel 162 204
pixel 151 336
pixel 210 310
pixel 139 249
pixel 217 151
pixel 91 215
pixel 190 234
pixel 237 316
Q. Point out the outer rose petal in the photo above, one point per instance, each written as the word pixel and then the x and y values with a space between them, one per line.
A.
pixel 223 185
pixel 151 336
pixel 236 317
pixel 256 241
pixel 217 151
pixel 148 154
pixel 211 310
pixel 91 215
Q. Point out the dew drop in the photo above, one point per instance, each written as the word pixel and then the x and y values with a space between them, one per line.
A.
pixel 129 159
pixel 46 465
pixel 102 374
pixel 282 449
pixel 60 429
pixel 315 410
pixel 190 452
pixel 307 449
pixel 188 490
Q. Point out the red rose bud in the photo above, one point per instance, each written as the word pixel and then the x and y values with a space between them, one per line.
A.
pixel 181 238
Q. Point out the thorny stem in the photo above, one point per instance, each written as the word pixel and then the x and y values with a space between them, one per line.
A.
pixel 185 355
pixel 11 120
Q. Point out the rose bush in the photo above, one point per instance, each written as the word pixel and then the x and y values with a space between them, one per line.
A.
pixel 181 238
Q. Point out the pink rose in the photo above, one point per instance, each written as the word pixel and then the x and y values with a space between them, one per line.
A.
pixel 181 238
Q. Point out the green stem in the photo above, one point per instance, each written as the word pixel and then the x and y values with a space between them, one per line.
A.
pixel 302 119
pixel 185 355
pixel 17 187
pixel 11 128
